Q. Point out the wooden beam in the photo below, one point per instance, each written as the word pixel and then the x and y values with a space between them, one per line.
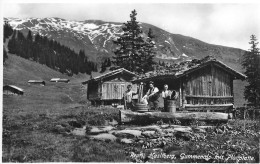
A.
pixel 180 93
pixel 211 97
pixel 215 105
pixel 127 116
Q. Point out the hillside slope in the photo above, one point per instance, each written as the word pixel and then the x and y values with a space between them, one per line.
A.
pixel 54 96
pixel 19 70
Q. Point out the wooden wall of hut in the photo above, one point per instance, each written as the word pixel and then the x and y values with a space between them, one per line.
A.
pixel 115 90
pixel 109 88
pixel 208 86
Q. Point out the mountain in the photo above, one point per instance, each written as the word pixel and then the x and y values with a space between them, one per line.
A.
pixel 96 38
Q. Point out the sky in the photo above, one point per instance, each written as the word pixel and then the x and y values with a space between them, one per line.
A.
pixel 228 24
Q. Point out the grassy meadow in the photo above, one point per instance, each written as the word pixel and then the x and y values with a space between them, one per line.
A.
pixel 31 124
pixel 29 121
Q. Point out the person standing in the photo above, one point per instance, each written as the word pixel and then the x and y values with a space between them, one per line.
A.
pixel 166 95
pixel 128 96
pixel 153 96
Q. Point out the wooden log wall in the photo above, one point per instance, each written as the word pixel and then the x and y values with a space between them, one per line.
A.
pixel 115 90
pixel 198 83
pixel 208 86
pixel 221 84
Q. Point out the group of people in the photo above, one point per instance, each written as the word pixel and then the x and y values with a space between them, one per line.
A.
pixel 152 96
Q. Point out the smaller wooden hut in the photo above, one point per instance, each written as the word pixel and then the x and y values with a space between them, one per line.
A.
pixel 64 80
pixel 59 80
pixel 55 80
pixel 109 87
pixel 12 90
pixel 39 82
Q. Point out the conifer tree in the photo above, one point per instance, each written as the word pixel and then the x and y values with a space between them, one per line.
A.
pixel 131 52
pixel 108 64
pixel 29 42
pixel 149 52
pixel 29 36
pixel 103 67
pixel 12 43
pixel 81 61
pixel 251 64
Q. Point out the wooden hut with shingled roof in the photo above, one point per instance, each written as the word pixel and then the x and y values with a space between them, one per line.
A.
pixel 108 88
pixel 205 84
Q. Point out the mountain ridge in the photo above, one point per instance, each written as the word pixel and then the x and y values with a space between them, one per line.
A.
pixel 96 38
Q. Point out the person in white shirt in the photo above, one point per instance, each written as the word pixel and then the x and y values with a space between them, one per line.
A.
pixel 128 96
pixel 166 94
pixel 153 96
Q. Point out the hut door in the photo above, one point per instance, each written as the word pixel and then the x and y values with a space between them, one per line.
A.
pixel 117 89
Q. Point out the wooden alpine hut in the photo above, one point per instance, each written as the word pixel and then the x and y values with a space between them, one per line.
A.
pixel 108 88
pixel 12 90
pixel 41 82
pixel 201 85
pixel 60 80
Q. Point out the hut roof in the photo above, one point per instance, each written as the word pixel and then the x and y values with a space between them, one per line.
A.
pixel 187 67
pixel 15 87
pixel 55 79
pixel 35 81
pixel 111 73
pixel 64 80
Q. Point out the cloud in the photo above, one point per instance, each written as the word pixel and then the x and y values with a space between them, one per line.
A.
pixel 233 24
pixel 11 10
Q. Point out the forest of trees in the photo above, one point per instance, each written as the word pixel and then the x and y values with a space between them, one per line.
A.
pixel 48 52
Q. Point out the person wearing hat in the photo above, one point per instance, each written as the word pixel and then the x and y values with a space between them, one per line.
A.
pixel 152 96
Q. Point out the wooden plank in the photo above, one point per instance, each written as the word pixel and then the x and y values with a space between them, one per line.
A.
pixel 104 91
pixel 113 88
pixel 213 81
pixel 214 105
pixel 115 91
pixel 109 91
pixel 224 84
pixel 220 107
pixel 180 93
pixel 122 89
pixel 194 96
pixel 127 116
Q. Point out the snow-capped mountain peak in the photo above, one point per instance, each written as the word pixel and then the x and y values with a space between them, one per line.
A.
pixel 96 38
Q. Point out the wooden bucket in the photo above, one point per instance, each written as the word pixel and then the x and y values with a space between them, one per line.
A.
pixel 171 106
pixel 141 108
pixel 174 95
